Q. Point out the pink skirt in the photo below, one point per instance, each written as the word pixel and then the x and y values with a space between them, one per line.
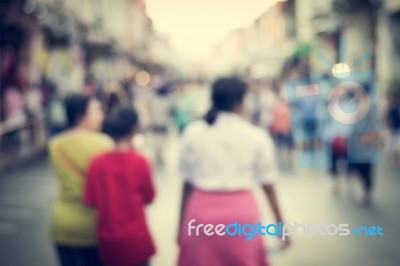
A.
pixel 221 208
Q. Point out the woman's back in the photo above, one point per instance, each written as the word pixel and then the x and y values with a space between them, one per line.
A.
pixel 70 154
pixel 229 155
pixel 222 158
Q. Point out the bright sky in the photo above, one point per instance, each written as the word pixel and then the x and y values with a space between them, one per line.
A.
pixel 194 26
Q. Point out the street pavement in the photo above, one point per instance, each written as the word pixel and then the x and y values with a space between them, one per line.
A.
pixel 305 196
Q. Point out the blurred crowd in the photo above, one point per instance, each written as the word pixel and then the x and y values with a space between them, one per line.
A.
pixel 224 126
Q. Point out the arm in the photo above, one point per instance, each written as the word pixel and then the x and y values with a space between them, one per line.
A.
pixel 273 201
pixel 148 186
pixel 266 172
pixel 271 195
pixel 186 165
pixel 89 192
pixel 186 192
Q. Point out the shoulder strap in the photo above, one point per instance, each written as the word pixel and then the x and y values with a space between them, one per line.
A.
pixel 71 165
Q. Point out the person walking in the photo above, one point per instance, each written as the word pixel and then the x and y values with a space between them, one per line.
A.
pixel 73 224
pixel 393 124
pixel 353 136
pixel 281 131
pixel 119 186
pixel 222 158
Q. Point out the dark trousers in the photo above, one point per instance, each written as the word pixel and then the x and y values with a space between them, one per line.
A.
pixel 335 158
pixel 78 256
pixel 363 170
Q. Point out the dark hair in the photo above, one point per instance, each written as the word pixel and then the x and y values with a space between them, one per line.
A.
pixel 121 122
pixel 76 106
pixel 226 93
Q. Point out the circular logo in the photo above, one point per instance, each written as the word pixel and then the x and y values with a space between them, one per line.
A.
pixel 349 103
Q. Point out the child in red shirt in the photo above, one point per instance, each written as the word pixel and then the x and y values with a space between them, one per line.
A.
pixel 119 185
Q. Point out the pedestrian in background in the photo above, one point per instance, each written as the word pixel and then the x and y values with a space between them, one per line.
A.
pixel 335 136
pixel 222 158
pixel 282 133
pixel 353 136
pixel 393 122
pixel 73 224
pixel 119 186
pixel 115 97
pixel 160 110
pixel 183 108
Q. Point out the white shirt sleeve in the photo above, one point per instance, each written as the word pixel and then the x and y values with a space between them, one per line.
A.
pixel 265 167
pixel 186 156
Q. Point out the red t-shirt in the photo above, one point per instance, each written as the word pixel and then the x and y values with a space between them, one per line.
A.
pixel 119 185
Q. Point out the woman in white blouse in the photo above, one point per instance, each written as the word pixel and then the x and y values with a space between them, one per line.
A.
pixel 222 158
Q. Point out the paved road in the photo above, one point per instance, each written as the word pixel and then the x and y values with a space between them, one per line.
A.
pixel 26 196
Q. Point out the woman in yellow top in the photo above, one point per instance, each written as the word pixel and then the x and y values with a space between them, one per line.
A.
pixel 73 226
